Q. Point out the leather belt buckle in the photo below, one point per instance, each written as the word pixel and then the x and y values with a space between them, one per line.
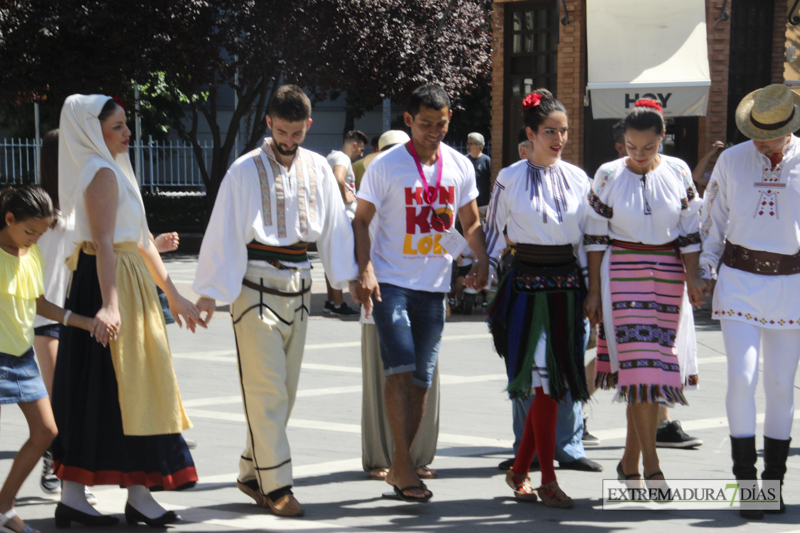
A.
pixel 768 267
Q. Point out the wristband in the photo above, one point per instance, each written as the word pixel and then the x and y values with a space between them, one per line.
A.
pixel 67 314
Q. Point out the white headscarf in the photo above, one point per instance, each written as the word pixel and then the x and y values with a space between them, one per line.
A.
pixel 82 152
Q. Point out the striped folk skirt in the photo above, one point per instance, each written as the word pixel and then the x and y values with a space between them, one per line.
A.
pixel 646 294
pixel 536 321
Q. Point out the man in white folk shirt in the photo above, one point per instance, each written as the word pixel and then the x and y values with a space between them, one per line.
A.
pixel 414 191
pixel 271 204
pixel 341 161
pixel 749 222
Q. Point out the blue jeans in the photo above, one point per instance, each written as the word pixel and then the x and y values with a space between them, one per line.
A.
pixel 569 427
pixel 410 325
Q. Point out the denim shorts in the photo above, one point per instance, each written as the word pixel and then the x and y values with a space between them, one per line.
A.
pixel 410 325
pixel 20 381
pixel 50 330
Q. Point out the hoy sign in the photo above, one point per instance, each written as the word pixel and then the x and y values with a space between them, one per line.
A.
pixel 661 98
pixel 677 100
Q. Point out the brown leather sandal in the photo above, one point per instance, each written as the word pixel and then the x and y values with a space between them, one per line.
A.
pixel 552 496
pixel 522 491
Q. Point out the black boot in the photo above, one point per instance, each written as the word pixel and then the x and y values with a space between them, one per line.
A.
pixel 775 454
pixel 744 456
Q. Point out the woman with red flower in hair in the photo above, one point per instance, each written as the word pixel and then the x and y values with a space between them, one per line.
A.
pixel 536 319
pixel 643 247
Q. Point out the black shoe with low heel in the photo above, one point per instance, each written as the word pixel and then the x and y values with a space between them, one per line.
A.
pixel 133 517
pixel 65 515
pixel 623 478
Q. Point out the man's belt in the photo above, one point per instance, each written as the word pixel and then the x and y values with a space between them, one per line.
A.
pixel 759 262
pixel 295 253
pixel 266 290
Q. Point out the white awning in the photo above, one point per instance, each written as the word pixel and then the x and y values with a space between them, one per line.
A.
pixel 647 49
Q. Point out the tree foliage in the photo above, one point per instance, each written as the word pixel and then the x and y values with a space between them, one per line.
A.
pixel 184 52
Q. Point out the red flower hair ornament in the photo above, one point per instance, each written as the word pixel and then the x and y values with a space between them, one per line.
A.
pixel 648 102
pixel 119 101
pixel 531 101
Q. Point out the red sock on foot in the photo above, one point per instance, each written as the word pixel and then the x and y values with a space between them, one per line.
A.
pixel 543 416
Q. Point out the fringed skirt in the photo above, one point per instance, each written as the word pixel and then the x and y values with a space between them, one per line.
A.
pixel 646 297
pixel 536 321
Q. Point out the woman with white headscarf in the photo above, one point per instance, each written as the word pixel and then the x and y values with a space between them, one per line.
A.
pixel 116 402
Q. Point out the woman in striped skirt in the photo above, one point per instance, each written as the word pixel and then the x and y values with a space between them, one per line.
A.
pixel 536 317
pixel 643 244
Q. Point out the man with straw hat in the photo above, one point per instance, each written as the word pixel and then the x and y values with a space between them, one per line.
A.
pixel 749 221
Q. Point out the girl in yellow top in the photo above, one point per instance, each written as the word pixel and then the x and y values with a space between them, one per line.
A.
pixel 25 214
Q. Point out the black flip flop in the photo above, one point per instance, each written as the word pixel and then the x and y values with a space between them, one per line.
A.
pixel 411 499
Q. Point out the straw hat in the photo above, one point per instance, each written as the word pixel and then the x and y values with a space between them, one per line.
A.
pixel 769 113
pixel 392 137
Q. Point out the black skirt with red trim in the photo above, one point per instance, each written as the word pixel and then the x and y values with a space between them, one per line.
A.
pixel 91 448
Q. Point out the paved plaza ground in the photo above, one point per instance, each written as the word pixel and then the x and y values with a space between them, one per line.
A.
pixel 475 435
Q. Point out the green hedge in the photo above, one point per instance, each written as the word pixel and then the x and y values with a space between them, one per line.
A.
pixel 175 213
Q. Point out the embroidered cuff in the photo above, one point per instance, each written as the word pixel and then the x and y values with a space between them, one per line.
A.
pixel 589 240
pixel 688 240
pixel 599 207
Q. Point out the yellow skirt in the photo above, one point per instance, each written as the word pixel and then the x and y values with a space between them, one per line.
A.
pixel 149 399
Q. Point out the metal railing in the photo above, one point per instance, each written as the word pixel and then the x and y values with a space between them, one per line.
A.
pixel 169 164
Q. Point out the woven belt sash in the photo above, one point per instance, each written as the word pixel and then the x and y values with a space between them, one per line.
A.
pixel 670 246
pixel 295 253
pixel 759 262
pixel 544 255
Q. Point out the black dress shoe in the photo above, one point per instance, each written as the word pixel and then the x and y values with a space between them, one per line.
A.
pixel 65 515
pixel 133 516
pixel 583 464
pixel 508 463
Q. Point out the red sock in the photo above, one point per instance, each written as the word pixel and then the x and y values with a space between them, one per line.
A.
pixel 527 446
pixel 545 415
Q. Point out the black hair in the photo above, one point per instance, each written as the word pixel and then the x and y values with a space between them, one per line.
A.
pixel 375 142
pixel 522 136
pixel 289 103
pixel 29 201
pixel 49 176
pixel 108 109
pixel 536 115
pixel 618 131
pixel 645 117
pixel 430 95
pixel 355 135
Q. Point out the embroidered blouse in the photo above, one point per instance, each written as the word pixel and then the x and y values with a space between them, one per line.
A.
pixel 276 207
pixel 537 205
pixel 751 204
pixel 659 207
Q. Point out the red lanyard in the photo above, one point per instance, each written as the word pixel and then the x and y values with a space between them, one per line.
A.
pixel 426 192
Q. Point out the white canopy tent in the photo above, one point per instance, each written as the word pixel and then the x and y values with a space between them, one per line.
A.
pixel 647 49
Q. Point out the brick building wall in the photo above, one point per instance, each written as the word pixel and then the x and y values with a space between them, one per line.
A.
pixel 572 55
pixel 498 25
pixel 572 77
pixel 713 126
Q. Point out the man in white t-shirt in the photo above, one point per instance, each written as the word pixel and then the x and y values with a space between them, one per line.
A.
pixel 342 164
pixel 341 161
pixel 414 192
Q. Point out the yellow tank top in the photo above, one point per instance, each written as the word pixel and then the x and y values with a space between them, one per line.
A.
pixel 21 282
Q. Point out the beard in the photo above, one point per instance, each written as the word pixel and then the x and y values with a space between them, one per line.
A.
pixel 286 152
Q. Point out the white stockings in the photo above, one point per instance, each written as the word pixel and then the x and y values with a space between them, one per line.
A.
pixel 780 350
